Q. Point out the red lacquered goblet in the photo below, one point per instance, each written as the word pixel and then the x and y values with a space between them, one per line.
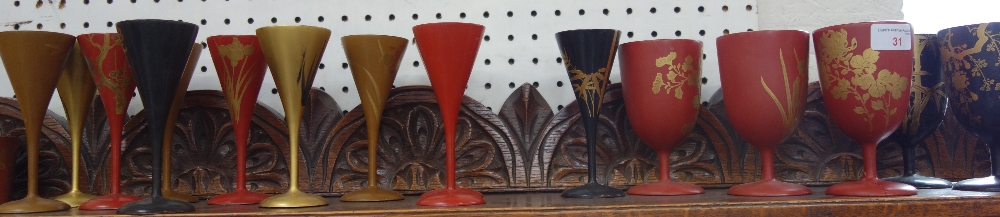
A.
pixel 657 76
pixel 240 63
pixel 113 77
pixel 448 51
pixel 764 75
pixel 865 73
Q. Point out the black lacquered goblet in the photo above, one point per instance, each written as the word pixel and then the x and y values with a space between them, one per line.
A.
pixel 928 103
pixel 158 51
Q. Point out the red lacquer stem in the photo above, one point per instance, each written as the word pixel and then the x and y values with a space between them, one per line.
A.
pixel 449 114
pixel 868 153
pixel 664 157
pixel 767 164
pixel 115 125
pixel 242 131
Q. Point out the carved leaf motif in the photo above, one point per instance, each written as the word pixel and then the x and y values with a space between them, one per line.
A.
pixel 319 117
pixel 53 172
pixel 525 114
pixel 95 151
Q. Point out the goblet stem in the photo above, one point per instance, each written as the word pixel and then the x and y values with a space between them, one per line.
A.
pixel 664 157
pixel 767 164
pixel 115 126
pixel 372 157
pixel 591 129
pixel 909 160
pixel 869 185
pixel 450 118
pixel 868 155
pixel 241 156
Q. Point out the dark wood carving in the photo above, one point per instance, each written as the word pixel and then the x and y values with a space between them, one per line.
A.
pixel 53 168
pixel 524 147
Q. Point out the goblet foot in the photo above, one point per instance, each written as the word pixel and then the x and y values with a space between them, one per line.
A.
pixel 74 198
pixel 919 181
pixel 666 188
pixel 293 199
pixel 870 187
pixel 592 190
pixel 238 197
pixel 111 201
pixel 33 204
pixel 156 205
pixel 170 193
pixel 989 183
pixel 769 188
pixel 451 197
pixel 371 194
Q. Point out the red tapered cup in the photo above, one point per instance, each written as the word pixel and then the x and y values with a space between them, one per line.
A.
pixel 764 77
pixel 106 56
pixel 449 51
pixel 865 71
pixel 657 76
pixel 240 63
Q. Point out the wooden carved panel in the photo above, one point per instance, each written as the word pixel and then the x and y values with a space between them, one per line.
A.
pixel 53 167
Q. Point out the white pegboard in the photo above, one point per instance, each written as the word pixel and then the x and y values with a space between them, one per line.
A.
pixel 519 32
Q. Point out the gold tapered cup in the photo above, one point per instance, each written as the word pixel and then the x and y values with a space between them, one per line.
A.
pixel 34 61
pixel 293 54
pixel 76 90
pixel 374 61
pixel 168 133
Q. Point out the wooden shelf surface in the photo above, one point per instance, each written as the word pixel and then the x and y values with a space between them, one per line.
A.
pixel 715 202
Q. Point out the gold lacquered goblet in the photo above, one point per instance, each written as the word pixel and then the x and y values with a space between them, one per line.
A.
pixel 293 54
pixel 76 90
pixel 34 61
pixel 168 133
pixel 374 61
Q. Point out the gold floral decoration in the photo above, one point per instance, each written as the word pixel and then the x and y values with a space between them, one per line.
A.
pixel 959 60
pixel 236 80
pixel 921 94
pixel 847 74
pixel 792 92
pixel 678 74
pixel 116 80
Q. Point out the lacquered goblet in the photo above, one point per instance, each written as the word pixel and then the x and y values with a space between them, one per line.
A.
pixel 928 103
pixel 8 157
pixel 158 51
pixel 240 63
pixel 168 138
pixel 111 73
pixel 34 61
pixel 76 90
pixel 293 54
pixel 449 51
pixel 588 55
pixel 970 67
pixel 865 78
pixel 657 76
pixel 764 76
pixel 374 60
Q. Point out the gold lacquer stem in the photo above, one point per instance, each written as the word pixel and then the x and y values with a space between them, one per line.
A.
pixel 168 136
pixel 76 90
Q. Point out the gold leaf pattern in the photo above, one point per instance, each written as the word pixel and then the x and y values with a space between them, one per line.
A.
pixel 118 79
pixel 236 80
pixel 959 59
pixel 854 75
pixel 792 91
pixel 677 75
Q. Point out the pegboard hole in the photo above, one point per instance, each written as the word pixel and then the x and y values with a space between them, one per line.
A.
pixel 39 3
pixel 85 25
pixel 62 25
pixel 486 38
pixel 109 1
pixel 652 10
pixel 226 21
pixel 249 21
pixel 534 60
pixel 461 15
pixel 558 83
pixel 703 56
pixel 39 26
pixel 725 31
pixel 511 85
pixel 392 17
pixel 343 18
pixel 322 66
pixel 749 30
pixel 510 37
pixel 701 32
pixel 558 13
pixel 704 80
pixel 486 14
pixel 487 62
pixel 343 65
pixel 133 1
pixel 110 24
pixel 534 84
pixel 204 22
pixel 677 9
pixel 628 11
pixel 298 19
pixel 677 33
pixel 653 34
pixel 438 16
pixel 274 90
pixel 510 14
pixel 533 13
pixel 17 3
pixel 323 89
pixel 204 69
pixel 320 19
pixel 368 17
pixel 488 86
pixel 415 16
pixel 701 8
pixel 510 61
pixel 534 36
pixel 725 8
pixel 704 104
pixel 416 63
pixel 558 59
pixel 606 11
pixel 560 107
pixel 274 20
pixel 345 112
pixel 582 12
pixel 629 34
pixel 749 8
pixel 204 45
pixel 344 89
